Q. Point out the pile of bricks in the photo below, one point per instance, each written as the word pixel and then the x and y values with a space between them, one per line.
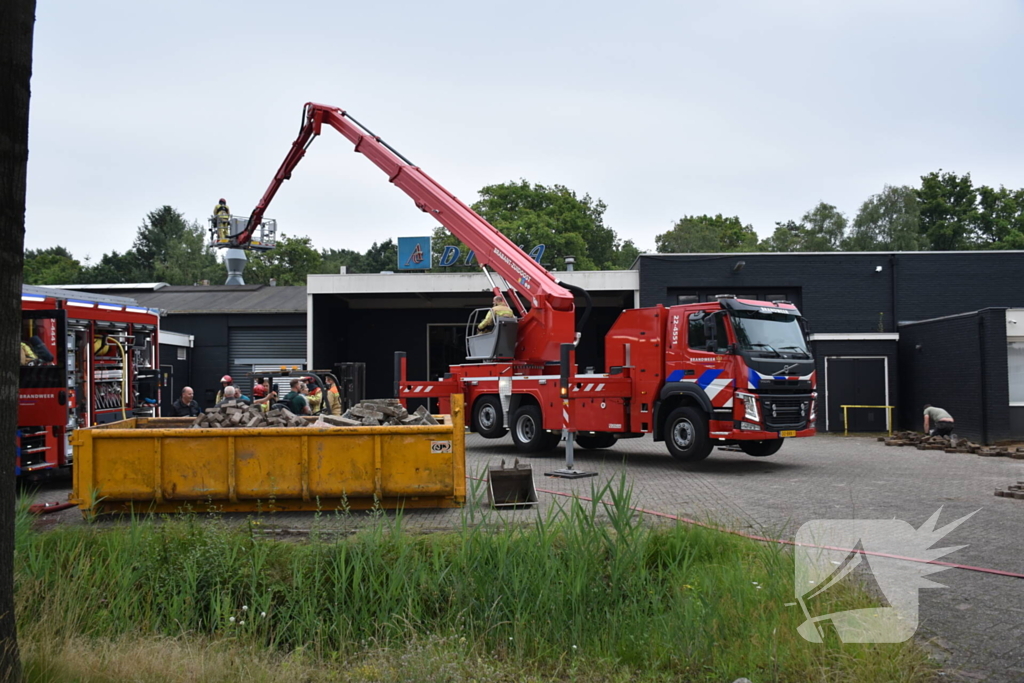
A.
pixel 943 443
pixel 1012 491
pixel 381 411
pixel 240 414
pixel 376 412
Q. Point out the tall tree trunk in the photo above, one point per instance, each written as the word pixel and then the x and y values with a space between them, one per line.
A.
pixel 17 18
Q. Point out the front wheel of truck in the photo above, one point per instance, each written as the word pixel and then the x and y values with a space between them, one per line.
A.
pixel 686 435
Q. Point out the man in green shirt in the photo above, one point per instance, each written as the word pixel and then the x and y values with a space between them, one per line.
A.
pixel 937 422
pixel 296 398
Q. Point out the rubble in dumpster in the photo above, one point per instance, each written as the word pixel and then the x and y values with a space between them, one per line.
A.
pixel 369 413
pixel 380 411
pixel 240 414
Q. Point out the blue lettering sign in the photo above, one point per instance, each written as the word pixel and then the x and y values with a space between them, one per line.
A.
pixel 537 252
pixel 448 257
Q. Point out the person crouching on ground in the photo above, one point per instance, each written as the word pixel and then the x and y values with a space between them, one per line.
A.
pixel 937 422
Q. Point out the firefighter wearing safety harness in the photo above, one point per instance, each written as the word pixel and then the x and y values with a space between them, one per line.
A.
pixel 222 218
pixel 499 310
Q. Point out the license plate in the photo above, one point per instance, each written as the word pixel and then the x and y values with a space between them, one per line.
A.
pixel 789 433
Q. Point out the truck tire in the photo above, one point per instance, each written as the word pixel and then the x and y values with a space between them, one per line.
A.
pixel 528 432
pixel 488 418
pixel 761 449
pixel 595 441
pixel 686 435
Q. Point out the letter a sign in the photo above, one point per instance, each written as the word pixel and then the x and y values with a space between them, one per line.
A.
pixel 414 253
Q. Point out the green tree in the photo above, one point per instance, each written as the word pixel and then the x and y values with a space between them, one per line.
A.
pixel 1000 218
pixel 888 221
pixel 115 268
pixel 172 250
pixel 707 234
pixel 555 216
pixel 786 238
pixel 949 211
pixel 52 266
pixel 331 260
pixel 626 254
pixel 17 18
pixel 824 228
pixel 289 263
pixel 380 257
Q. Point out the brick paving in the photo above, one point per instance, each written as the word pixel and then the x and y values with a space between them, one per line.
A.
pixel 975 624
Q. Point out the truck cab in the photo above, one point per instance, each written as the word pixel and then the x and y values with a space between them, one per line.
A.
pixel 738 372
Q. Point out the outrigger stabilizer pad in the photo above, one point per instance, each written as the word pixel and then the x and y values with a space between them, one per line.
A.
pixel 570 474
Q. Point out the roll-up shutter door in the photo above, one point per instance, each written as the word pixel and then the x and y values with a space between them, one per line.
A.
pixel 249 347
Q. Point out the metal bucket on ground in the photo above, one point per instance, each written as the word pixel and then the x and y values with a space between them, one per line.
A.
pixel 511 486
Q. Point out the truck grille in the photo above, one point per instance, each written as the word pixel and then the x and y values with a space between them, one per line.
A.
pixel 785 412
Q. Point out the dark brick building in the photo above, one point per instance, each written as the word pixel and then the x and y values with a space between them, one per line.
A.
pixel 860 306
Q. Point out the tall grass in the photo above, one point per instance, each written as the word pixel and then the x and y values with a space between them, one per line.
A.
pixel 588 585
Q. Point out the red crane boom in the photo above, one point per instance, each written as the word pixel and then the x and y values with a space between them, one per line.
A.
pixel 551 318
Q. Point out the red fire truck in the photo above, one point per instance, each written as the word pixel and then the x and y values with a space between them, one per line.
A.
pixel 730 372
pixel 86 359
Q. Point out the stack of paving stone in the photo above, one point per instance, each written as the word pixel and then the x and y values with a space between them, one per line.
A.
pixel 1012 491
pixel 380 411
pixel 240 414
pixel 944 443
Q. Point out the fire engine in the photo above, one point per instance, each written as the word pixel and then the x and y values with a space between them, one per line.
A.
pixel 85 360
pixel 731 372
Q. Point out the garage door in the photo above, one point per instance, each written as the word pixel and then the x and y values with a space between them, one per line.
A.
pixel 267 346
pixel 860 382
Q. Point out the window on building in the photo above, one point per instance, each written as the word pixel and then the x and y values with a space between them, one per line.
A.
pixel 691 298
pixel 1015 363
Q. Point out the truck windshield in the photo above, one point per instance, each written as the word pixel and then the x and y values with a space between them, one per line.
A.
pixel 769 334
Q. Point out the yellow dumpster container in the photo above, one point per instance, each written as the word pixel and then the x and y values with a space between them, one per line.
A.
pixel 162 465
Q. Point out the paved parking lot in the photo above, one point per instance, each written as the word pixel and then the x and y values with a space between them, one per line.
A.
pixel 976 623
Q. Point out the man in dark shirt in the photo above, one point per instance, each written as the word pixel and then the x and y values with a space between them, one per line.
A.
pixel 186 406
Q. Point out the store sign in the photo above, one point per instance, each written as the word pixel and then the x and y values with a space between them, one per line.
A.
pixel 414 253
pixel 450 256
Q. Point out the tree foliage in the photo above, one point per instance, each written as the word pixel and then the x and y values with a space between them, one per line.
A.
pixel 52 266
pixel 287 264
pixel 823 228
pixel 888 221
pixel 555 216
pixel 706 234
pixel 949 210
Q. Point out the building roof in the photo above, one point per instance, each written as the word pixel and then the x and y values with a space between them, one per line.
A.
pixel 125 286
pixel 427 283
pixel 836 254
pixel 209 299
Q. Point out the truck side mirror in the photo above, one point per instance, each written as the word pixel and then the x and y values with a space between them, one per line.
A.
pixel 711 332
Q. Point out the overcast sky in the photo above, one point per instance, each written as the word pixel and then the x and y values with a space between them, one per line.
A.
pixel 661 109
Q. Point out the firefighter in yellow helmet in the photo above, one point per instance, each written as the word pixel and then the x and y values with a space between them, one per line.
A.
pixel 222 218
pixel 499 310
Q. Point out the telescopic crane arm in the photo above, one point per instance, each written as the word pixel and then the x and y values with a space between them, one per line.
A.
pixel 551 319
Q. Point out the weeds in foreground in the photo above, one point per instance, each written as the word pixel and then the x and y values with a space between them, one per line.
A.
pixel 586 589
